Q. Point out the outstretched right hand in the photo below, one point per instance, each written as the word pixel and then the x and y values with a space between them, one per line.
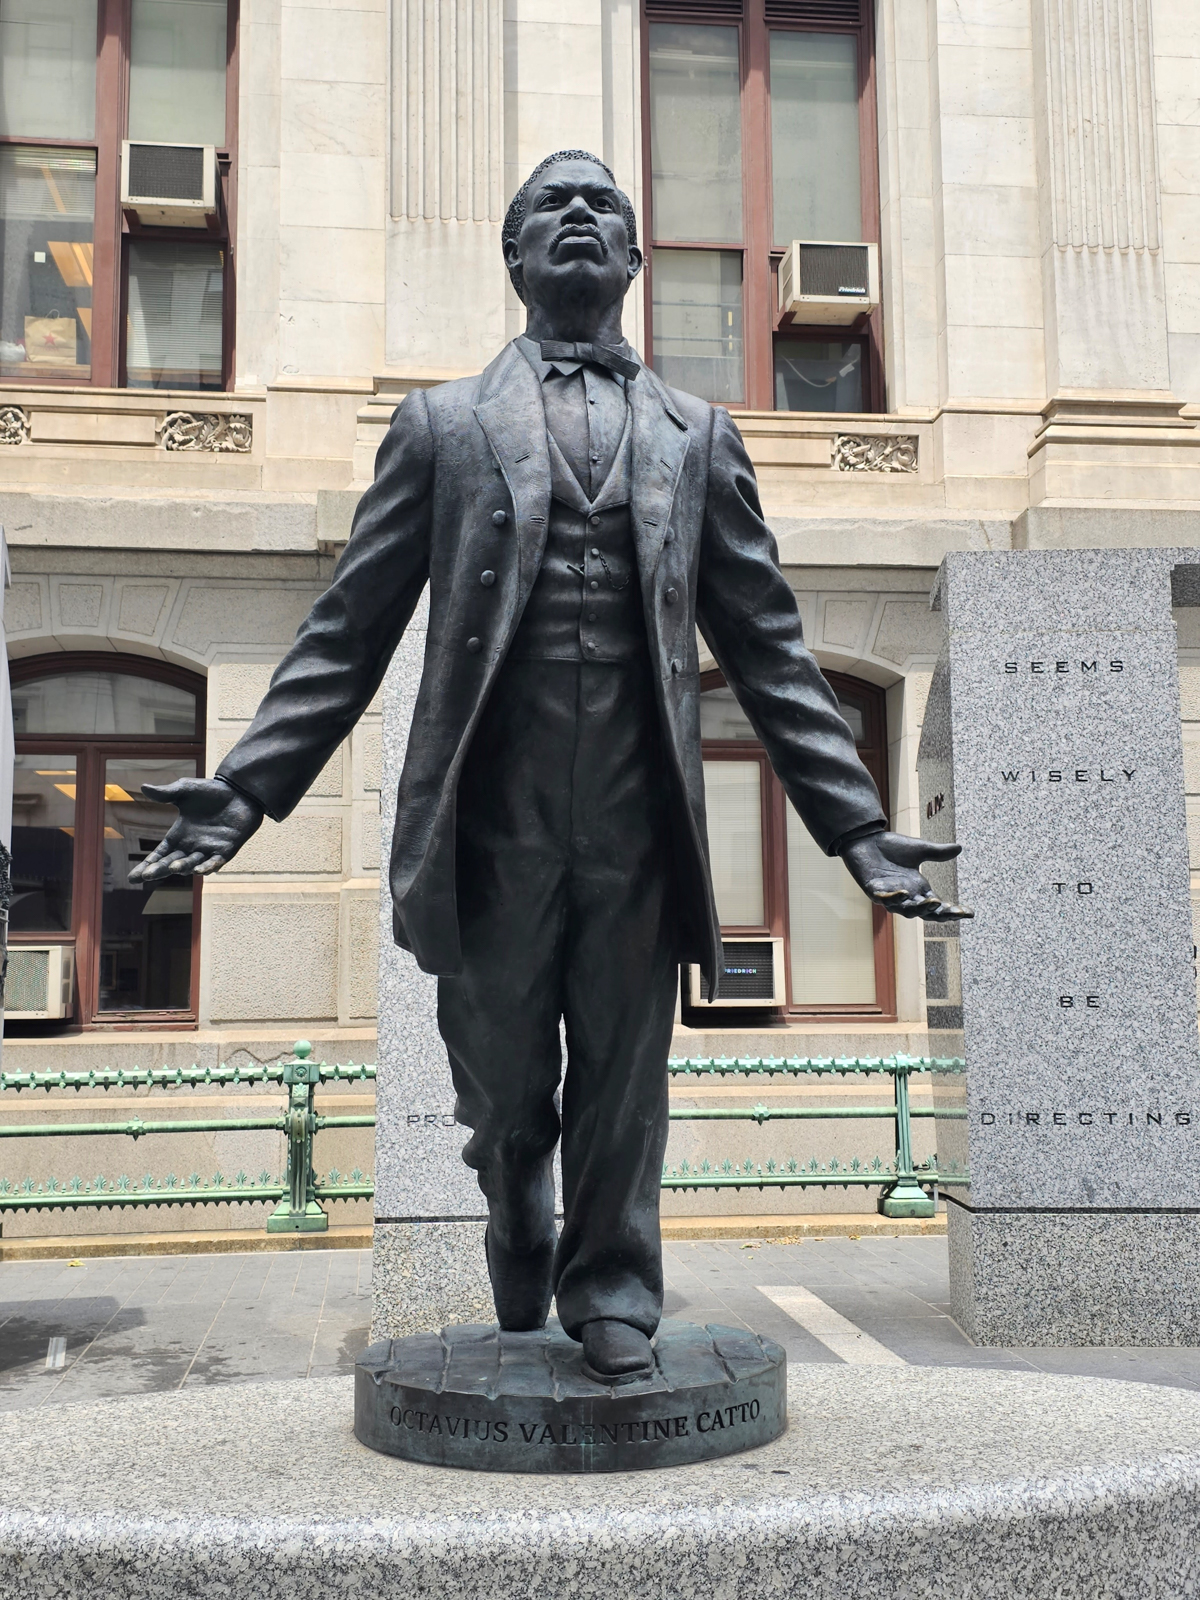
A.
pixel 214 823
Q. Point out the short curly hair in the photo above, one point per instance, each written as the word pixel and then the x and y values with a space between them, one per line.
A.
pixel 515 215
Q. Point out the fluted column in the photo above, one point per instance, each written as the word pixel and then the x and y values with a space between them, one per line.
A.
pixel 447 113
pixel 445 306
pixel 1098 178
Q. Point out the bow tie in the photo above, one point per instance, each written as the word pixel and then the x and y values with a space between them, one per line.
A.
pixel 600 355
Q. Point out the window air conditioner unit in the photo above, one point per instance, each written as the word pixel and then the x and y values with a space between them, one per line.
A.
pixel 40 982
pixel 826 282
pixel 752 975
pixel 169 185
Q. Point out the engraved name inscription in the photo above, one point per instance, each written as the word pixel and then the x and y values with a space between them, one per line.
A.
pixel 431 1119
pixel 504 1430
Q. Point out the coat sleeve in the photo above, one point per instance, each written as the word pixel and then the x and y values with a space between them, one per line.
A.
pixel 748 615
pixel 330 674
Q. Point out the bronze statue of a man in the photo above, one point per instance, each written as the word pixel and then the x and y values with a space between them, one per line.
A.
pixel 575 521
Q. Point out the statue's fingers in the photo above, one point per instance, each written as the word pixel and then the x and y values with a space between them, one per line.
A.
pixel 939 852
pixel 950 913
pixel 162 867
pixel 213 864
pixel 915 905
pixel 189 863
pixel 148 863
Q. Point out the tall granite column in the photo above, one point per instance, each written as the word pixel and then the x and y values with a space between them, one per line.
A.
pixel 1052 751
pixel 428 1267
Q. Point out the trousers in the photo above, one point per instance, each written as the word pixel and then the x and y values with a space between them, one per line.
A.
pixel 565 903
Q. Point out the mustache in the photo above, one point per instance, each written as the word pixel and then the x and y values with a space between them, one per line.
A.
pixel 578 230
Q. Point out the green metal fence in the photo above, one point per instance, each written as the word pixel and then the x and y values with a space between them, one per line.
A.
pixel 906 1190
pixel 299 1192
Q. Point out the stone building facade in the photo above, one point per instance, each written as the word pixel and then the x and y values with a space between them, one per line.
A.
pixel 177 484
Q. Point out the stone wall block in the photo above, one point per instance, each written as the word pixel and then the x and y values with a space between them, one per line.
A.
pixel 360 945
pixel 24 607
pixel 236 687
pixel 139 607
pixel 272 960
pixel 212 615
pixel 306 842
pixel 368 745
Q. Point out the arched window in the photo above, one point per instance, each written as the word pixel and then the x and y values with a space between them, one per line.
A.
pixel 90 731
pixel 770 878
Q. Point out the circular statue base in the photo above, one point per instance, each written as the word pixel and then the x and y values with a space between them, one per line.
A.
pixel 520 1402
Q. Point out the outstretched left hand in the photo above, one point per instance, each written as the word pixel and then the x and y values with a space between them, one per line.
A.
pixel 885 867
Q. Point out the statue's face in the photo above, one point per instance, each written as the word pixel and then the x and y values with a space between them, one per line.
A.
pixel 573 243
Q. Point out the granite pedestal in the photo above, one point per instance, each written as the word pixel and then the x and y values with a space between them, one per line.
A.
pixel 889 1484
pixel 521 1402
pixel 428 1265
pixel 1052 751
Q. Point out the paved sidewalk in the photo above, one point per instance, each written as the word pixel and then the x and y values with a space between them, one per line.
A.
pixel 132 1325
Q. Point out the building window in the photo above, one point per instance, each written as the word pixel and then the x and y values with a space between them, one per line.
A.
pixel 47 219
pixel 89 733
pixel 770 878
pixel 760 129
pixel 91 292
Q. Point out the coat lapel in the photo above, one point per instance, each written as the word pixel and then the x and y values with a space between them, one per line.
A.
pixel 512 415
pixel 660 442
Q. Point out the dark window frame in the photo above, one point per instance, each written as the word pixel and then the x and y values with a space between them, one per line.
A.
pixel 92 752
pixel 761 318
pixel 112 227
pixel 873 752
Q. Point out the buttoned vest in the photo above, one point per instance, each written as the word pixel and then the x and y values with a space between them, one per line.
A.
pixel 586 603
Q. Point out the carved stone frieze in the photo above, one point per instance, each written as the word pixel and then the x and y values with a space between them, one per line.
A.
pixel 14 425
pixel 206 430
pixel 875 452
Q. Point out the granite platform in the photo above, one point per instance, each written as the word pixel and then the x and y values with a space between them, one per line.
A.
pixel 889 1484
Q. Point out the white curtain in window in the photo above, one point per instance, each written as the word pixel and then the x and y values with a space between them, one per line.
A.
pixel 815 174
pixel 177 52
pixel 831 926
pixel 733 799
pixel 696 133
pixel 48 69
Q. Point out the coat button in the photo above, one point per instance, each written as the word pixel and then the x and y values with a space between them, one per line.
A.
pixel 591 646
pixel 668 537
pixel 594 584
pixel 474 646
pixel 499 518
pixel 595 550
pixel 670 596
pixel 487 579
pixel 594 519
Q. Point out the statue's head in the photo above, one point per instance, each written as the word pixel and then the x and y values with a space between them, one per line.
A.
pixel 570 235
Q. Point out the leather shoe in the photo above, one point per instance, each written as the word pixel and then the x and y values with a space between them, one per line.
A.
pixel 522 1284
pixel 614 1352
